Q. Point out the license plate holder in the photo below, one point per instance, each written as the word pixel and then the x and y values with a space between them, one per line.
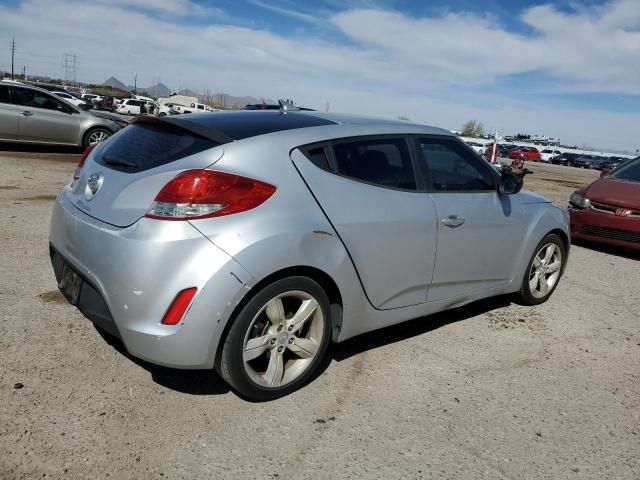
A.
pixel 70 284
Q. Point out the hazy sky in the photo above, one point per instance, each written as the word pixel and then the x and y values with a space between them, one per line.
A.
pixel 566 68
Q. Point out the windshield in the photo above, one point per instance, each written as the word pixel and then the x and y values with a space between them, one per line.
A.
pixel 629 171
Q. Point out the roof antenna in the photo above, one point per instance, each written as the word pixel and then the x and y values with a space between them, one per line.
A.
pixel 287 106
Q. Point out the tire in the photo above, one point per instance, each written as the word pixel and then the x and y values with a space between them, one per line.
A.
pixel 95 135
pixel 289 325
pixel 533 291
pixel 162 114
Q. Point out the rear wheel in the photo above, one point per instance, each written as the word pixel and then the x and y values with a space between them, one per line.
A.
pixel 277 340
pixel 94 136
pixel 544 271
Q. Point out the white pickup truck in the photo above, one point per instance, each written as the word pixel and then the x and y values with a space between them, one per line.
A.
pixel 194 108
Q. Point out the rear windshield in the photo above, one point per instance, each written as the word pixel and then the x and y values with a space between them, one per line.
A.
pixel 143 146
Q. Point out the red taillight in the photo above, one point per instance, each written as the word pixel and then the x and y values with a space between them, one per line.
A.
pixel 205 193
pixel 76 175
pixel 179 306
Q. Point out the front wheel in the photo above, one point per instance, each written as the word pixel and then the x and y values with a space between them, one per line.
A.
pixel 543 271
pixel 277 340
pixel 94 136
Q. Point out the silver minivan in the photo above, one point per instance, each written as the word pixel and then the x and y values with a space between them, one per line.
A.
pixel 32 115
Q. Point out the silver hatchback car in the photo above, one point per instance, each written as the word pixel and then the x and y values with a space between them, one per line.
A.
pixel 32 115
pixel 247 241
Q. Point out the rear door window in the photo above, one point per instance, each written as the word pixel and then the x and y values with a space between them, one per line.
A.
pixel 384 162
pixel 143 146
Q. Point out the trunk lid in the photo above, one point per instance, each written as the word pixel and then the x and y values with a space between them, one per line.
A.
pixel 122 176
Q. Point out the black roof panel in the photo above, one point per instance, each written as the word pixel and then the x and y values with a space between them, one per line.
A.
pixel 229 126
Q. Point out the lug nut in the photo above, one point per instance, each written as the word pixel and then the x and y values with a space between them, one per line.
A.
pixel 291 340
pixel 280 348
pixel 273 341
pixel 280 327
pixel 290 327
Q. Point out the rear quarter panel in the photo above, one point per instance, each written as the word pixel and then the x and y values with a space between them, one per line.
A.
pixel 288 230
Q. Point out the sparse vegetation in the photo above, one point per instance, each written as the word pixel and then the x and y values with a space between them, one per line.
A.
pixel 472 128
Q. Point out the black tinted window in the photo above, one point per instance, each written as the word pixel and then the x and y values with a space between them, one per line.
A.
pixel 4 94
pixel 318 157
pixel 629 171
pixel 143 146
pixel 33 98
pixel 452 167
pixel 384 162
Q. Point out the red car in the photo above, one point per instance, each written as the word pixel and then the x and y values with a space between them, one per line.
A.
pixel 608 210
pixel 525 153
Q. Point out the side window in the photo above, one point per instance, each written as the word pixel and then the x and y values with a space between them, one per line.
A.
pixel 384 162
pixel 33 98
pixel 4 94
pixel 200 107
pixel 318 157
pixel 452 168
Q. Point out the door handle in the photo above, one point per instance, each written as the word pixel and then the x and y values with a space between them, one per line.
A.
pixel 26 113
pixel 452 221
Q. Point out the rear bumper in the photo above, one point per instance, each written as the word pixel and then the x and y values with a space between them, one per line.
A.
pixel 596 226
pixel 133 274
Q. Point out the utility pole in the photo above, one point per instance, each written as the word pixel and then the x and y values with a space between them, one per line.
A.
pixel 13 51
pixel 70 60
pixel 135 84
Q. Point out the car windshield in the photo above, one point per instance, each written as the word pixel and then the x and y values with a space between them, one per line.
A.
pixel 629 171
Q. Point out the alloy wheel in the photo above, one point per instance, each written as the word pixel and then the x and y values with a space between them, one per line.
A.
pixel 97 137
pixel 283 339
pixel 545 270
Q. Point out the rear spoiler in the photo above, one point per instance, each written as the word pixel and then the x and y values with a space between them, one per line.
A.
pixel 187 125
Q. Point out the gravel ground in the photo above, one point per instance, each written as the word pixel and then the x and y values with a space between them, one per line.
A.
pixel 491 390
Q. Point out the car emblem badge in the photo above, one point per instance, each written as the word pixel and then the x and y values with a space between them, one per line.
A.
pixel 94 182
pixel 622 212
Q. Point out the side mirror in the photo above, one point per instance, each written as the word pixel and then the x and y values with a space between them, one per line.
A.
pixel 605 172
pixel 510 184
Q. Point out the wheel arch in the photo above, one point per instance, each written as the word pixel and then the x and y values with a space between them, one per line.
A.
pixel 319 276
pixel 543 220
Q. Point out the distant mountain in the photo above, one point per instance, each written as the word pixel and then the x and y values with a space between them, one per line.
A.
pixel 159 90
pixel 113 82
pixel 224 98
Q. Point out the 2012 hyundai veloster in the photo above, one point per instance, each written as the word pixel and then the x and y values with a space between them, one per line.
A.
pixel 247 241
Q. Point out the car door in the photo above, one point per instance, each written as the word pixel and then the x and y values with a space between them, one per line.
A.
pixel 367 188
pixel 45 119
pixel 8 115
pixel 479 231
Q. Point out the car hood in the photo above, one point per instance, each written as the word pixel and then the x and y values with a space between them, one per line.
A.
pixel 530 197
pixel 614 192
pixel 108 116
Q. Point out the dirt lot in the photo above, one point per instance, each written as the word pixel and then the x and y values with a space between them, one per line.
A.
pixel 492 390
